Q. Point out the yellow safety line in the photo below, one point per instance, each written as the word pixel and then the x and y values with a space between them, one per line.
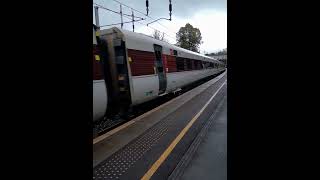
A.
pixel 166 153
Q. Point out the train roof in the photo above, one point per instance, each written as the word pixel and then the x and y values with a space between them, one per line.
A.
pixel 142 42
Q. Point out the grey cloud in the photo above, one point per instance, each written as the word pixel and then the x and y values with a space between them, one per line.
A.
pixel 160 8
pixel 185 8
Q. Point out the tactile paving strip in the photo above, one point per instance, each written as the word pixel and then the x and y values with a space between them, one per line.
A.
pixel 120 162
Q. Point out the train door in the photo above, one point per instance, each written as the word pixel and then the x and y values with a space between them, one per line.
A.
pixel 159 67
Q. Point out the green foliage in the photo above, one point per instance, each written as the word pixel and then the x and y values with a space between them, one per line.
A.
pixel 189 38
pixel 222 52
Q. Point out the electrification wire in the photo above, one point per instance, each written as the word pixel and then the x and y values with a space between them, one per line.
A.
pixel 122 23
pixel 144 15
pixel 155 29
pixel 100 6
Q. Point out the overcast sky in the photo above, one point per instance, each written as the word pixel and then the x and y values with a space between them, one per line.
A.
pixel 210 16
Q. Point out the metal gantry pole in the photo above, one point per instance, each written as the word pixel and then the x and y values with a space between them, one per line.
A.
pixel 132 20
pixel 96 10
pixel 121 16
pixel 147 5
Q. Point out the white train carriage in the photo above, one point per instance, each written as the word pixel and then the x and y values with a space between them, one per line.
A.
pixel 100 96
pixel 142 68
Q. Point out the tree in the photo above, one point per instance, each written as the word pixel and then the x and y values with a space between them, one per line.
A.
pixel 157 35
pixel 221 52
pixel 224 51
pixel 189 38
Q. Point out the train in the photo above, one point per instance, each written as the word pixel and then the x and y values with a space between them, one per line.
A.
pixel 131 68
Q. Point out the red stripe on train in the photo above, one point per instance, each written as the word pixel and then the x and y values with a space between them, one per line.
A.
pixel 142 62
pixel 97 65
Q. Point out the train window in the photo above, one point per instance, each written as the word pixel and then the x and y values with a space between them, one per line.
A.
pixel 158 54
pixel 180 64
pixel 206 65
pixel 189 64
pixel 199 65
pixel 196 64
pixel 160 69
pixel 175 53
pixel 193 63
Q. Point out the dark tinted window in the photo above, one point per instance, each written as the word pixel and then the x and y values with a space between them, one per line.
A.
pixel 189 64
pixel 160 69
pixel 194 64
pixel 198 64
pixel 180 64
pixel 206 65
pixel 175 52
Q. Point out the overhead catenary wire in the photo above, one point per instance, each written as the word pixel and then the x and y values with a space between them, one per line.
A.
pixel 135 16
pixel 157 30
pixel 145 15
pixel 131 7
pixel 154 29
pixel 120 23
pixel 102 7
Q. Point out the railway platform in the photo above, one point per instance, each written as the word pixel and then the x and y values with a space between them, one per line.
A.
pixel 173 141
pixel 206 158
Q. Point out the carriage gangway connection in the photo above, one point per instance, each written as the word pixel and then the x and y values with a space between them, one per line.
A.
pixel 173 141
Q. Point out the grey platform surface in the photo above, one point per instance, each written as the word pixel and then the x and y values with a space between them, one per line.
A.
pixel 210 160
